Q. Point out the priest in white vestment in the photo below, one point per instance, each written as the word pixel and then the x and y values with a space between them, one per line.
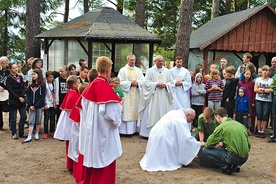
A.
pixel 183 83
pixel 157 98
pixel 131 79
pixel 170 144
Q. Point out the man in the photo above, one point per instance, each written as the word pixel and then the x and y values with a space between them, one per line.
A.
pixel 100 115
pixel 223 64
pixel 183 83
pixel 157 97
pixel 273 109
pixel 82 62
pixel 228 146
pixel 247 57
pixel 131 79
pixel 273 67
pixel 170 142
pixel 206 124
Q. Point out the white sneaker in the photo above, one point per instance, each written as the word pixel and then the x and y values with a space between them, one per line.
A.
pixel 36 137
pixel 15 136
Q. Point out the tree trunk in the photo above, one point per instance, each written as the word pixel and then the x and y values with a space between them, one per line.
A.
pixel 4 52
pixel 66 11
pixel 248 4
pixel 215 9
pixel 85 6
pixel 140 20
pixel 184 30
pixel 32 28
pixel 227 6
pixel 120 5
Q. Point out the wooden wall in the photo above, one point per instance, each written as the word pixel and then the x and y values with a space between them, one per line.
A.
pixel 256 34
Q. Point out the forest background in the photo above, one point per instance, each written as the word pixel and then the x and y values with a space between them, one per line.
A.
pixel 171 20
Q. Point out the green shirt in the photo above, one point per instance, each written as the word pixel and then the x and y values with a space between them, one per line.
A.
pixel 119 92
pixel 233 135
pixel 207 128
pixel 273 84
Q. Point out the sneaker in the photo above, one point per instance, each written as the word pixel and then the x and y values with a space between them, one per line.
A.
pixel 52 134
pixel 258 134
pixel 36 137
pixel 14 137
pixel 45 136
pixel 272 139
pixel 262 135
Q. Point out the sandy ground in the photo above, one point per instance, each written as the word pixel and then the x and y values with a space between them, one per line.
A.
pixel 43 161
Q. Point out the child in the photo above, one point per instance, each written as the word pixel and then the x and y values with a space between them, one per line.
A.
pixel 64 124
pixel 17 94
pixel 263 100
pixel 36 93
pixel 229 92
pixel 214 87
pixel 248 83
pixel 49 110
pixel 225 76
pixel 198 96
pixel 116 87
pixel 83 74
pixel 60 89
pixel 92 74
pixel 242 108
pixel 73 149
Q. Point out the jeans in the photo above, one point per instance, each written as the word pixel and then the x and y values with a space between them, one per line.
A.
pixel 35 117
pixel 12 118
pixel 198 111
pixel 49 114
pixel 262 110
pixel 274 115
pixel 221 157
pixel 242 117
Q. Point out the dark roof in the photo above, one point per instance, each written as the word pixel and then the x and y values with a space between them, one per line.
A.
pixel 101 24
pixel 219 26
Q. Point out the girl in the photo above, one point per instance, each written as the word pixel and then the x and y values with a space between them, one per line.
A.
pixel 263 100
pixel 60 89
pixel 214 88
pixel 49 110
pixel 17 94
pixel 248 83
pixel 35 100
pixel 83 74
pixel 198 96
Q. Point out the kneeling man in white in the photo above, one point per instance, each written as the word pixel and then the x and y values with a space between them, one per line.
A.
pixel 170 143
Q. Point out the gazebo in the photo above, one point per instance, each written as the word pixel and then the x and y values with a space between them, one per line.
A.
pixel 103 31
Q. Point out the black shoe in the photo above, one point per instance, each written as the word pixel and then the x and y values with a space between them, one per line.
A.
pixel 230 169
pixel 272 139
pixel 26 141
pixel 238 170
pixel 23 136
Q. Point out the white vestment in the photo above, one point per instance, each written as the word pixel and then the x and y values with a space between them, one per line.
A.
pixel 181 93
pixel 99 129
pixel 155 102
pixel 170 144
pixel 64 124
pixel 131 97
pixel 73 148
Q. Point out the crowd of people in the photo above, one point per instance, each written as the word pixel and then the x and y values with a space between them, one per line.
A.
pixel 89 109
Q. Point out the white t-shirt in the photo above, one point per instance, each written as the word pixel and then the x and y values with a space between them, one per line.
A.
pixel 266 97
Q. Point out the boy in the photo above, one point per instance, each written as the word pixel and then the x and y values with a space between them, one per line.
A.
pixel 64 124
pixel 116 87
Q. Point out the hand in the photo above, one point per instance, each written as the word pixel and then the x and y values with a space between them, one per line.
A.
pixel 227 99
pixel 134 83
pixel 178 83
pixel 248 115
pixel 46 107
pixel 219 145
pixel 1 89
pixel 32 108
pixel 22 100
pixel 202 144
pixel 161 85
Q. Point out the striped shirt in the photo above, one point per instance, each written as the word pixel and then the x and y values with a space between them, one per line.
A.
pixel 214 95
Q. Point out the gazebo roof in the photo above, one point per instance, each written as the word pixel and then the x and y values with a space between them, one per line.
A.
pixel 103 24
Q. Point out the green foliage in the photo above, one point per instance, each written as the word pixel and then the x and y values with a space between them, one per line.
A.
pixel 168 55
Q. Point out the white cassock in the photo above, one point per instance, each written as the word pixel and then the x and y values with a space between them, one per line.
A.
pixel 64 124
pixel 170 144
pixel 131 97
pixel 181 93
pixel 155 102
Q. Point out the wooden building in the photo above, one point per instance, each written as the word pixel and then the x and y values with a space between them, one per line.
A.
pixel 229 36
